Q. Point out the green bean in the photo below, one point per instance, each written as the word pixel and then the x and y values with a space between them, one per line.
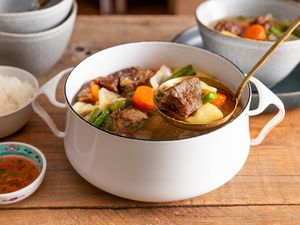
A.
pixel 96 112
pixel 211 96
pixel 108 122
pixel 297 33
pixel 119 104
pixel 184 71
pixel 276 31
pixel 100 119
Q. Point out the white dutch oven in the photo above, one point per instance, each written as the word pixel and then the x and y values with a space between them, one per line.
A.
pixel 156 171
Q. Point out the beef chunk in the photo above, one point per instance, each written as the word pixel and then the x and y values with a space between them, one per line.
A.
pixel 265 21
pixel 182 99
pixel 134 78
pixel 128 120
pixel 230 26
pixel 110 82
pixel 85 95
pixel 125 81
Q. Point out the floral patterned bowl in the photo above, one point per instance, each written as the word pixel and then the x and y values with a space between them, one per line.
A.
pixel 28 151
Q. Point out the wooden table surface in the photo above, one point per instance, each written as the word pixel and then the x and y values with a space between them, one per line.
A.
pixel 265 191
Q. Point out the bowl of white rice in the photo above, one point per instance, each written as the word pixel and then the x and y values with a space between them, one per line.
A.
pixel 17 90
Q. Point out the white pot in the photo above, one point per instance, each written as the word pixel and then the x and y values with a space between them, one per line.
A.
pixel 156 171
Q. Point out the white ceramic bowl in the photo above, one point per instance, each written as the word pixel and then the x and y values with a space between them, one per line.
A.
pixel 156 171
pixel 245 53
pixel 37 52
pixel 32 21
pixel 13 121
pixel 31 152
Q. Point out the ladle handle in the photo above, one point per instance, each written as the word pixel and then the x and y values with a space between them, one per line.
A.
pixel 283 37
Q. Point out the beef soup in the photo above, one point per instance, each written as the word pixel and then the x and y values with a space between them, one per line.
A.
pixel 122 102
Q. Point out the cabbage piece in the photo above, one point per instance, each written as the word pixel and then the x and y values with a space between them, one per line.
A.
pixel 107 97
pixel 202 74
pixel 207 113
pixel 228 33
pixel 205 86
pixel 163 74
pixel 83 108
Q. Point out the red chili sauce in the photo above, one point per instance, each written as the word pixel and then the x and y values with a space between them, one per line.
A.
pixel 16 172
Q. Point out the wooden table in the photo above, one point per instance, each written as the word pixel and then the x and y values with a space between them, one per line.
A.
pixel 266 190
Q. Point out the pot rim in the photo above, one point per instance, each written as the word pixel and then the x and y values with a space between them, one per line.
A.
pixel 244 41
pixel 243 111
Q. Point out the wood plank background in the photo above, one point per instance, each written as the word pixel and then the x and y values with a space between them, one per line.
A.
pixel 266 190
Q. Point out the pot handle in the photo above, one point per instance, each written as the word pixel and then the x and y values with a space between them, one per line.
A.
pixel 49 90
pixel 266 98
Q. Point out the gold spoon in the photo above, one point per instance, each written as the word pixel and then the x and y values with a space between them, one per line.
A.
pixel 210 81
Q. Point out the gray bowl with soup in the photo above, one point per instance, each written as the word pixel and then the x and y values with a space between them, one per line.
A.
pixel 245 52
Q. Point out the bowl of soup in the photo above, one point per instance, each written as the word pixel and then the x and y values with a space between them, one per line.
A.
pixel 22 170
pixel 115 139
pixel 244 31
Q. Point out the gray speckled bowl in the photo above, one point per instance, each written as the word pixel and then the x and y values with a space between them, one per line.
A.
pixel 37 52
pixel 12 6
pixel 23 22
pixel 244 52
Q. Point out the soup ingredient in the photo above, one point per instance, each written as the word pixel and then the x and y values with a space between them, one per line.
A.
pixel 95 92
pixel 130 81
pixel 207 87
pixel 132 113
pixel 143 98
pixel 185 71
pixel 229 33
pixel 118 104
pixel 14 94
pixel 96 112
pixel 206 114
pixel 107 97
pixel 263 27
pixel 111 82
pixel 256 32
pixel 220 100
pixel 16 172
pixel 209 97
pixel 264 20
pixel 99 121
pixel 83 108
pixel 229 26
pixel 162 75
pixel 127 121
pixel 182 99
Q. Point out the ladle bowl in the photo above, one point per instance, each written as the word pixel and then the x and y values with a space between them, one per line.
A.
pixel 235 97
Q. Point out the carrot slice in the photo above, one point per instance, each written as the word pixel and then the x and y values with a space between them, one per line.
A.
pixel 220 100
pixel 95 92
pixel 143 98
pixel 256 32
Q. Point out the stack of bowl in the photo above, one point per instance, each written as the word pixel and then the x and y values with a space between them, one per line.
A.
pixel 33 36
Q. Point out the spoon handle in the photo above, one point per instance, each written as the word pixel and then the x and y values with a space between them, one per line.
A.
pixel 283 37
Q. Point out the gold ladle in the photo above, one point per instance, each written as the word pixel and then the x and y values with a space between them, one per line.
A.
pixel 220 86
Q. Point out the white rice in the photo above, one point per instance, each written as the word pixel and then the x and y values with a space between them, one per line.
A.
pixel 14 94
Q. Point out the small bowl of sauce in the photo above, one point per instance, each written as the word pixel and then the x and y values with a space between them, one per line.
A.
pixel 22 170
